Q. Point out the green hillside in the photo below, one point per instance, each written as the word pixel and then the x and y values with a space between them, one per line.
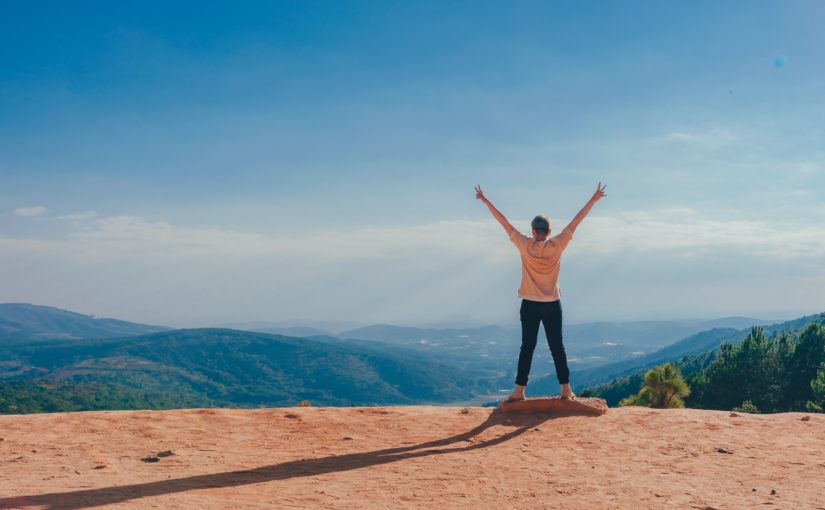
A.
pixel 773 367
pixel 693 347
pixel 43 396
pixel 21 322
pixel 239 368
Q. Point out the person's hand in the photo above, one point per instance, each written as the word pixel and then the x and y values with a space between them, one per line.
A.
pixel 480 194
pixel 599 193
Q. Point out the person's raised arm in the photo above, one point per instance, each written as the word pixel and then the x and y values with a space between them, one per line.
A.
pixel 597 195
pixel 496 213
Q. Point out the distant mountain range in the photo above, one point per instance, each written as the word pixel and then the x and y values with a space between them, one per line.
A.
pixel 379 364
pixel 20 322
pixel 296 331
pixel 636 333
pixel 493 349
pixel 324 327
pixel 241 368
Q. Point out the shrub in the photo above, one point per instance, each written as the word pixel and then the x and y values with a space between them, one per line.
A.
pixel 746 407
pixel 663 387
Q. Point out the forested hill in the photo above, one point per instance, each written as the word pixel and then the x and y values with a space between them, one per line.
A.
pixel 694 346
pixel 21 322
pixel 239 368
pixel 774 368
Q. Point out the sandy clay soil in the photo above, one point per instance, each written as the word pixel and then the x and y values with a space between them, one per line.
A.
pixel 412 457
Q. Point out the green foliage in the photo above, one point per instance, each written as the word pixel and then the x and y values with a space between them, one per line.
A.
pixel 805 364
pixel 743 372
pixel 236 368
pixel 620 390
pixel 626 376
pixel 746 407
pixel 633 400
pixel 775 374
pixel 623 388
pixel 783 372
pixel 691 356
pixel 663 388
pixel 817 402
pixel 39 396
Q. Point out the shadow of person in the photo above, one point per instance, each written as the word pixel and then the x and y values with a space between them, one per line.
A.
pixel 296 468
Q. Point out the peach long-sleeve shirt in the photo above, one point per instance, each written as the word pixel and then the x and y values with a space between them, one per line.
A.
pixel 540 265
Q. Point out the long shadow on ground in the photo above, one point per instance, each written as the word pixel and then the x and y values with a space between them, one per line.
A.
pixel 307 467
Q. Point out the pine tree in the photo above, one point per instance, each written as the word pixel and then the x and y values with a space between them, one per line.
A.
pixel 663 388
pixel 807 360
pixel 817 403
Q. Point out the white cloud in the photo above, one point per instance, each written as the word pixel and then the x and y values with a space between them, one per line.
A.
pixel 200 275
pixel 37 210
pixel 809 168
pixel 81 216
pixel 712 138
pixel 693 233
pixel 681 230
pixel 125 237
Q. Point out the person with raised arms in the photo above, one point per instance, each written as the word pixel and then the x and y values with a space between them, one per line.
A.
pixel 539 290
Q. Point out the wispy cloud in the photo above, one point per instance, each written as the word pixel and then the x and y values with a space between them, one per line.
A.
pixel 191 274
pixel 37 210
pixel 810 168
pixel 712 138
pixel 81 216
pixel 692 233
pixel 652 231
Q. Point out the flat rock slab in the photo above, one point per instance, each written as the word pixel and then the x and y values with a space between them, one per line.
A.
pixel 579 406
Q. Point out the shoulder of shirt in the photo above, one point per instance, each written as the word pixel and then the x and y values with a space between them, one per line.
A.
pixel 557 238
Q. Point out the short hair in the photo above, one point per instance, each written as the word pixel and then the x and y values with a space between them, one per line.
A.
pixel 541 224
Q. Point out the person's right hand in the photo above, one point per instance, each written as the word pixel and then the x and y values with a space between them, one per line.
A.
pixel 599 193
pixel 480 194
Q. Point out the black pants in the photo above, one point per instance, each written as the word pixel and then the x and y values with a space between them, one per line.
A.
pixel 534 313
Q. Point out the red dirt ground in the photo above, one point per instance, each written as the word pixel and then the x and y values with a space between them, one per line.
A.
pixel 412 457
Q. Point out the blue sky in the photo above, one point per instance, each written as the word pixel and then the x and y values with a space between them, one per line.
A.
pixel 197 163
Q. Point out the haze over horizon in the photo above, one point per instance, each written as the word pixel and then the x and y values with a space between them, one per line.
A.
pixel 193 166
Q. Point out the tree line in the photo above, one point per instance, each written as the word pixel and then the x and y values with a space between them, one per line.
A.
pixel 781 373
